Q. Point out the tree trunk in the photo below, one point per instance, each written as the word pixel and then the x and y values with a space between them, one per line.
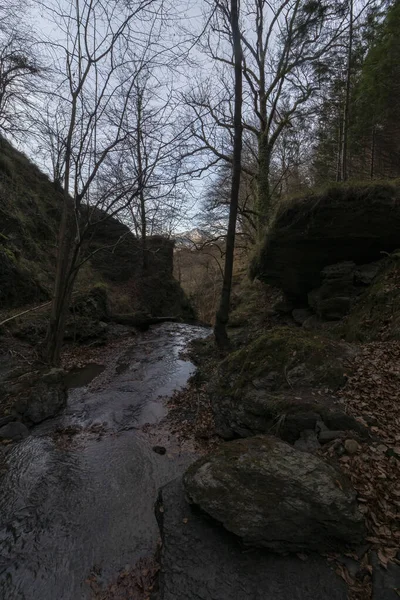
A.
pixel 221 336
pixel 372 165
pixel 143 231
pixel 264 201
pixel 63 283
pixel 346 112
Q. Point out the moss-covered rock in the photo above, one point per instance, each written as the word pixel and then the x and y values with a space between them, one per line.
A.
pixel 285 357
pixel 282 381
pixel 274 496
pixel 376 315
pixel 344 223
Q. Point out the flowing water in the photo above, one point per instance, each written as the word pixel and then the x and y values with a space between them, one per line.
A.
pixel 79 492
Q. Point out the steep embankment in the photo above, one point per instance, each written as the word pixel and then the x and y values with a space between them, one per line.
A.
pixel 30 208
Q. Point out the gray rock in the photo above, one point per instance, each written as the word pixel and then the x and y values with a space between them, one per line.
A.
pixel 273 496
pixel 365 274
pixel 45 397
pixel 334 309
pixel 313 323
pixel 301 314
pixel 344 269
pixel 5 420
pixel 14 431
pixel 338 420
pixel 308 441
pixel 351 446
pixel 333 299
pixel 53 376
pixel 385 583
pixel 284 307
pixel 327 436
pixel 200 560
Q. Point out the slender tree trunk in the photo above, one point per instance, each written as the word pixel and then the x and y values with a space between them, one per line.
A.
pixel 221 336
pixel 143 231
pixel 63 284
pixel 264 201
pixel 143 223
pixel 372 166
pixel 346 112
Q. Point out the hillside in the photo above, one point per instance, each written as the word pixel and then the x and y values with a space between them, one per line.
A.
pixel 29 215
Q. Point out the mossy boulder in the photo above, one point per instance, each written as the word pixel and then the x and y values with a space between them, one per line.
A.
pixel 283 380
pixel 274 496
pixel 286 357
pixel 344 223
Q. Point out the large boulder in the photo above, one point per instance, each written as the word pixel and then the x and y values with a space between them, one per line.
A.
pixel 281 381
pixel 201 560
pixel 274 496
pixel 343 224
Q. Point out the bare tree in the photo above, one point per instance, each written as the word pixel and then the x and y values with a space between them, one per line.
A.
pixel 286 45
pixel 19 70
pixel 221 321
pixel 150 155
pixel 93 94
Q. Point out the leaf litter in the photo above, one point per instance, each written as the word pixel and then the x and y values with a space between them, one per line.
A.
pixel 372 396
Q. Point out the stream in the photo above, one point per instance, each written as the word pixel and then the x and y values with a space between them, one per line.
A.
pixel 79 492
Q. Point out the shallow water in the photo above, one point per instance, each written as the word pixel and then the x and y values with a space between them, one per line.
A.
pixel 72 503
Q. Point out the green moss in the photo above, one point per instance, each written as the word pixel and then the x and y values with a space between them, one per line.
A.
pixel 377 313
pixel 280 350
pixel 9 254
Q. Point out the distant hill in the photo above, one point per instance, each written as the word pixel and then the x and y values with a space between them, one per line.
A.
pixel 191 238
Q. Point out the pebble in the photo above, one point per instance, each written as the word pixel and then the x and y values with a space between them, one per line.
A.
pixel 159 449
pixel 351 446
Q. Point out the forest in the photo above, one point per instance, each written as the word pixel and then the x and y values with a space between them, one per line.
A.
pixel 199 299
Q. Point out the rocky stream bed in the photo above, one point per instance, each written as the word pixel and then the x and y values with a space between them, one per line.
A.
pixel 93 505
pixel 78 494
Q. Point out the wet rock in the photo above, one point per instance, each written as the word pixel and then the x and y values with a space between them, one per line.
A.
pixel 308 441
pixel 201 560
pixel 273 496
pixel 14 431
pixel 159 450
pixel 44 396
